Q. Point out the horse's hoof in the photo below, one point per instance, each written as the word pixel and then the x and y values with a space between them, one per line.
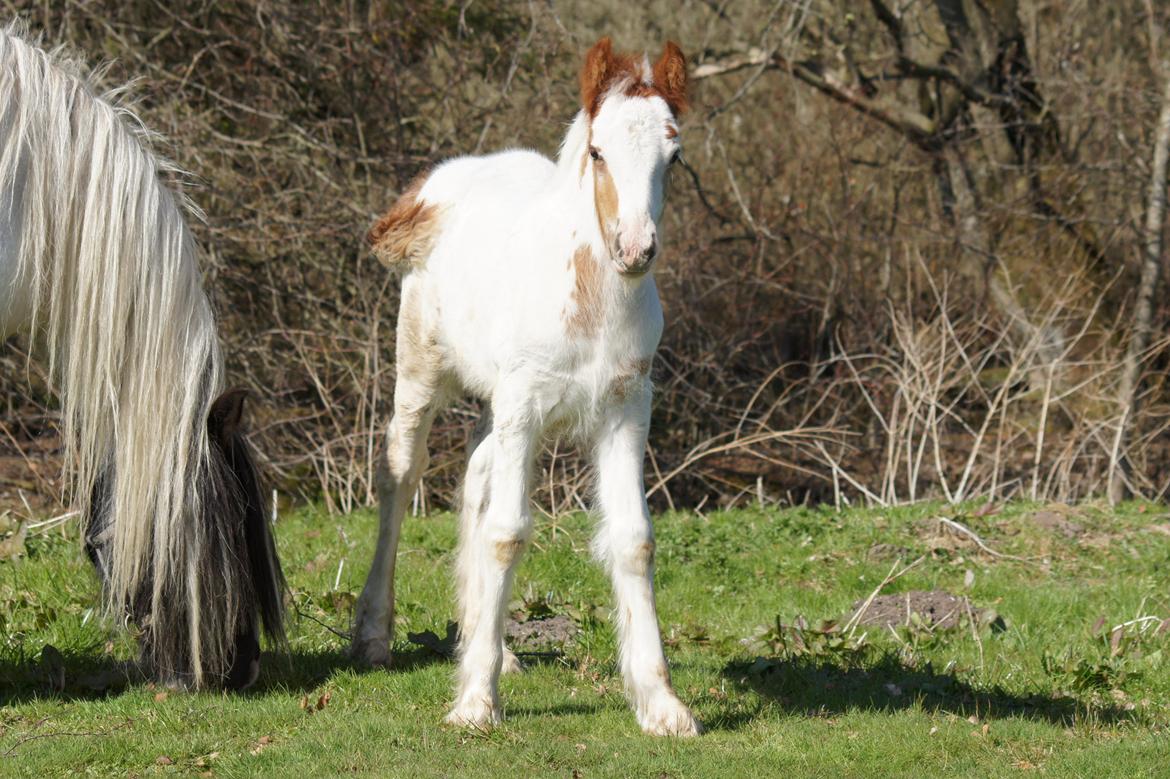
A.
pixel 668 716
pixel 476 714
pixel 511 664
pixel 373 652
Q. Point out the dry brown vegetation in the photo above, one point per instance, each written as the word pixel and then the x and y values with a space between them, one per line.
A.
pixel 902 256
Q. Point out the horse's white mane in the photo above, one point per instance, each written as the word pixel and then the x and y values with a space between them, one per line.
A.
pixel 120 314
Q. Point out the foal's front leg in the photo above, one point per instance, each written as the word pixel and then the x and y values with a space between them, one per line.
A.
pixel 496 528
pixel 625 544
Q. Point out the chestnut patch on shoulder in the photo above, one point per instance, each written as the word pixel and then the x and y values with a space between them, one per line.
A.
pixel 406 233
pixel 585 318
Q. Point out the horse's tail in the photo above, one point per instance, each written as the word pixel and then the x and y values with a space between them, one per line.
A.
pixel 120 313
pixel 405 234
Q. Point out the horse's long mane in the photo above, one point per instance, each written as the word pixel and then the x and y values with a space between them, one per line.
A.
pixel 122 320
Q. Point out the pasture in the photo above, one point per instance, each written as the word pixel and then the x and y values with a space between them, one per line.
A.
pixel 1043 686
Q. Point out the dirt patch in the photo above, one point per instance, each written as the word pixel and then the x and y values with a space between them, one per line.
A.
pixel 533 635
pixel 1057 523
pixel 936 609
pixel 888 553
pixel 540 634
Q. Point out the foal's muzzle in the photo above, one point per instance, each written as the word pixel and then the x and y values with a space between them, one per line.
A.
pixel 637 263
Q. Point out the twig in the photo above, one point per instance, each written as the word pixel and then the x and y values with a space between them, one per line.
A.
pixel 851 625
pixel 961 528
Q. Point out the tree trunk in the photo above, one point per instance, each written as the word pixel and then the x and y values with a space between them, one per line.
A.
pixel 1144 306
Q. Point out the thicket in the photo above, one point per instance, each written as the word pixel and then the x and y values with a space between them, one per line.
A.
pixel 903 257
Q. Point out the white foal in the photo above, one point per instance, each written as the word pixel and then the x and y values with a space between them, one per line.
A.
pixel 528 284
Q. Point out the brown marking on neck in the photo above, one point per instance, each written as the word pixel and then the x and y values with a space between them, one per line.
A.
pixel 587 297
pixel 406 233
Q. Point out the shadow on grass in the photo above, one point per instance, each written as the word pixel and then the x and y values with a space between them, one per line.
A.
pixel 817 687
pixel 88 675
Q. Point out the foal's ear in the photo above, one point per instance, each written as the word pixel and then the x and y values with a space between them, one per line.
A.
pixel 226 416
pixel 600 68
pixel 670 77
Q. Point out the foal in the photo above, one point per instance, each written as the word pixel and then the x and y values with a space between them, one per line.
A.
pixel 528 284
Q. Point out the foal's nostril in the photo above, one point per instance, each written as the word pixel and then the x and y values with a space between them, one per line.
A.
pixel 651 250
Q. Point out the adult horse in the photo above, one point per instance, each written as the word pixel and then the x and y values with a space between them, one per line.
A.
pixel 528 283
pixel 98 265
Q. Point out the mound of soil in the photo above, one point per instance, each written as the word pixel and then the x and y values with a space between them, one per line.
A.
pixel 1057 522
pixel 536 634
pixel 937 609
pixel 533 635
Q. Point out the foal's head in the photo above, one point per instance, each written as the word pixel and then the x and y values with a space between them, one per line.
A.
pixel 632 108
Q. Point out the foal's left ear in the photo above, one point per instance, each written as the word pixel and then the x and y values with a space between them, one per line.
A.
pixel 599 69
pixel 670 77
pixel 226 416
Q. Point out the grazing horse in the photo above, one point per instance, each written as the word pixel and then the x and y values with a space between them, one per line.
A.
pixel 98 265
pixel 528 284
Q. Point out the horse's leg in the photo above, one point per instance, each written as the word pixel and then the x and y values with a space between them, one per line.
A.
pixel 496 527
pixel 417 398
pixel 625 544
pixel 471 513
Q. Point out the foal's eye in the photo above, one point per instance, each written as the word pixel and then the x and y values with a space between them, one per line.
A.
pixel 594 154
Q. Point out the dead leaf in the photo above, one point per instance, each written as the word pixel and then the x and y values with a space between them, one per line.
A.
pixel 323 701
pixel 159 697
pixel 163 760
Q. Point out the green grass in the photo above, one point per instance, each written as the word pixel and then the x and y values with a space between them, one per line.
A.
pixel 1047 695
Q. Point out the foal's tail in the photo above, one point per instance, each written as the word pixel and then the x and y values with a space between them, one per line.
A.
pixel 121 315
pixel 405 234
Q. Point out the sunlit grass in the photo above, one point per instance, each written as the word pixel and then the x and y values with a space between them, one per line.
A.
pixel 1052 690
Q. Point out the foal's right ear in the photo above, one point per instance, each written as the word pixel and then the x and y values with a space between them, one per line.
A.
pixel 226 416
pixel 599 70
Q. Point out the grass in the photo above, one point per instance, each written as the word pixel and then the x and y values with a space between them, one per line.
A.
pixel 1049 690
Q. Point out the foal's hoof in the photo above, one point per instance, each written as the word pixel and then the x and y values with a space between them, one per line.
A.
pixel 510 664
pixel 667 716
pixel 475 714
pixel 373 652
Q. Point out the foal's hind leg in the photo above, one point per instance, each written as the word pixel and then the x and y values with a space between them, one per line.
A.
pixel 417 398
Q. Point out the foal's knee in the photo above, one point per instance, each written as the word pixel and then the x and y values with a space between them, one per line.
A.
pixel 507 544
pixel 629 553
pixel 404 453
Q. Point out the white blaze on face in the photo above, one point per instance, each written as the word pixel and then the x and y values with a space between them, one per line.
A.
pixel 634 139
